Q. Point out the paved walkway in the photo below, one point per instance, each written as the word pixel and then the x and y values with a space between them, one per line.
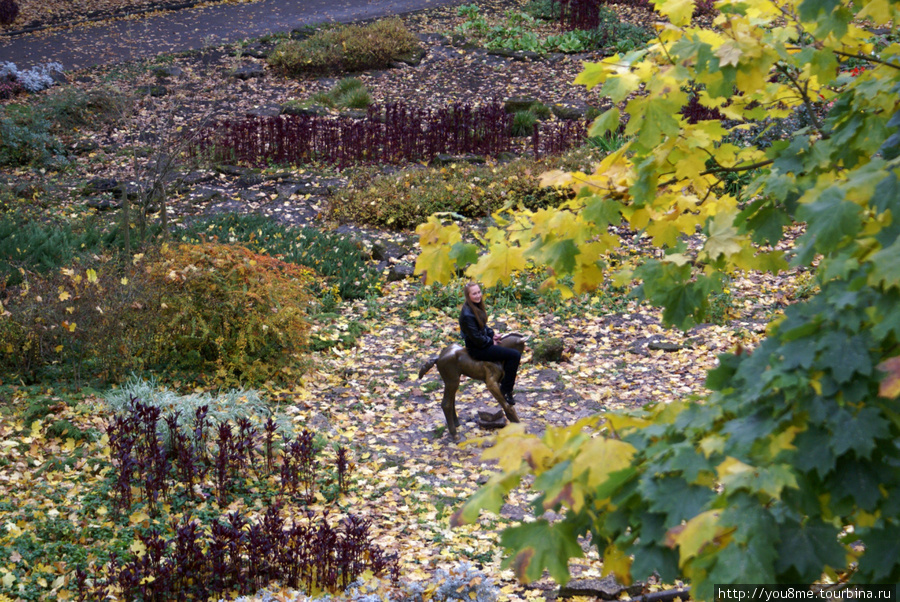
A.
pixel 176 31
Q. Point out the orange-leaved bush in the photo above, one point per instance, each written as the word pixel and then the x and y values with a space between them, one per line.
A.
pixel 230 312
pixel 219 313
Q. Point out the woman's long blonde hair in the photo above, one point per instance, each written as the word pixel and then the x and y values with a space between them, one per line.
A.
pixel 477 308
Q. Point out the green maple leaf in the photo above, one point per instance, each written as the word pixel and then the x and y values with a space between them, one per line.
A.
pixel 539 545
pixel 490 497
pixel 603 212
pixel 858 431
pixel 605 123
pixel 464 254
pixel 880 561
pixel 560 255
pixel 855 483
pixel 650 559
pixel 658 122
pixel 807 548
pixel 676 498
pixel 829 219
pixel 751 563
pixel 844 355
pixel 886 266
pixel 813 451
pixel 765 224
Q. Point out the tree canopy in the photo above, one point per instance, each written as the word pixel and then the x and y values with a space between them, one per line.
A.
pixel 789 470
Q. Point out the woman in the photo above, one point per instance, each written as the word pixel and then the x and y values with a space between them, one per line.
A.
pixel 480 340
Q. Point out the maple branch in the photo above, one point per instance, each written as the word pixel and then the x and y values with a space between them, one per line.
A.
pixel 803 89
pixel 722 169
pixel 868 59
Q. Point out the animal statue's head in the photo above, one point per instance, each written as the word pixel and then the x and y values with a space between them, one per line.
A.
pixel 514 341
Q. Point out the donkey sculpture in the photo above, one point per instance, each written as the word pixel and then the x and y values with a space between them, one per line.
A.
pixel 454 362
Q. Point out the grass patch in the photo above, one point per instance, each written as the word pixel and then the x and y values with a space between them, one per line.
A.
pixel 349 93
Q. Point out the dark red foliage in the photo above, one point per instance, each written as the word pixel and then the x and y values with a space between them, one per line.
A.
pixel 580 14
pixel 705 8
pixel 693 111
pixel 557 137
pixel 236 556
pixel 10 87
pixel 9 10
pixel 392 134
pixel 199 563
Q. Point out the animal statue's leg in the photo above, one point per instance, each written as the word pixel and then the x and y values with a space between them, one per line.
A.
pixel 492 380
pixel 448 404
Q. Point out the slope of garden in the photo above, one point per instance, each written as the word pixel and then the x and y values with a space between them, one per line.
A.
pixel 333 421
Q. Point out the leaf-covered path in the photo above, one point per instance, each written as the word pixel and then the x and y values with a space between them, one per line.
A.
pixel 115 41
pixel 412 476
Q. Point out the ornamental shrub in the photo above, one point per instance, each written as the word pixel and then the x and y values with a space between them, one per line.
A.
pixel 219 313
pixel 229 313
pixel 10 86
pixel 523 123
pixel 39 77
pixel 404 200
pixel 346 48
pixel 79 322
pixel 73 107
pixel 348 93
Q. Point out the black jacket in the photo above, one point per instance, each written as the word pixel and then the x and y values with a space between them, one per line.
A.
pixel 475 336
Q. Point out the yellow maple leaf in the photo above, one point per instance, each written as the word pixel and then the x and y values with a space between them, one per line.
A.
pixel 618 563
pixel 723 237
pixel 64 296
pixel 138 547
pixel 498 264
pixel 678 11
pixel 91 275
pixel 729 54
pixel 600 457
pixel 694 535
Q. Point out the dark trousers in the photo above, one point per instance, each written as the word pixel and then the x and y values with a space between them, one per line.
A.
pixel 509 357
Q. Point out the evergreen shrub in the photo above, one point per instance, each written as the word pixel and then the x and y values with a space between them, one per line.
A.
pixel 523 123
pixel 25 138
pixel 348 93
